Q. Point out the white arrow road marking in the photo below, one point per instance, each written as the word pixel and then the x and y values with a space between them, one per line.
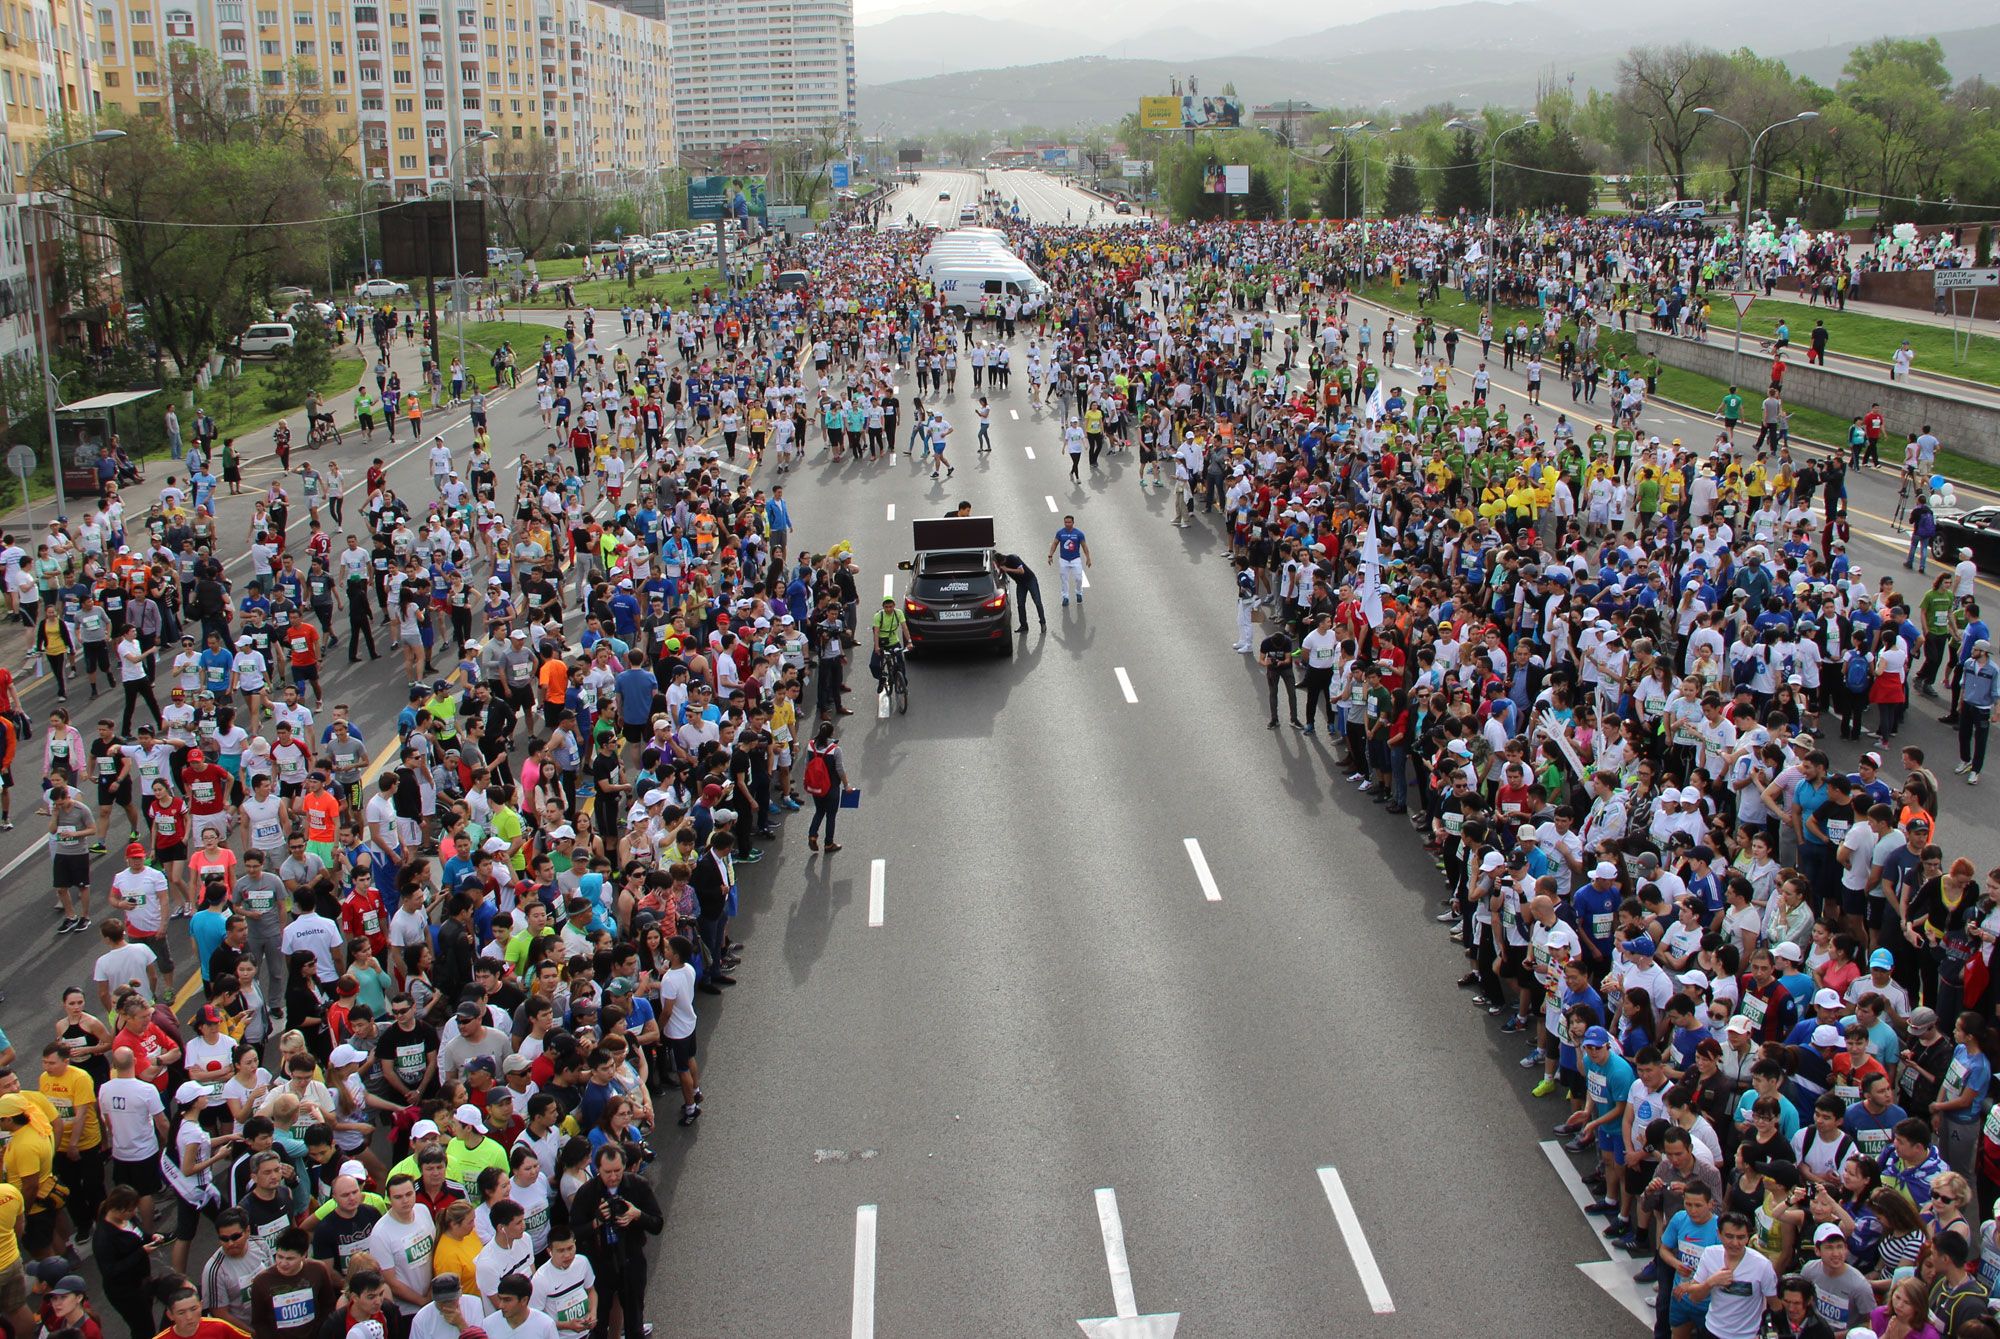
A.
pixel 1051 500
pixel 1015 414
pixel 1125 684
pixel 1614 1272
pixel 1357 1242
pixel 864 1272
pixel 878 875
pixel 1201 871
pixel 888 585
pixel 1128 1323
pixel 1085 578
pixel 1030 450
pixel 892 511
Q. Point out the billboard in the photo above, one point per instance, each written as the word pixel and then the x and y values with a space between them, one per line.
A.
pixel 1056 157
pixel 416 238
pixel 1191 111
pixel 915 155
pixel 719 196
pixel 1221 179
pixel 841 176
pixel 1134 168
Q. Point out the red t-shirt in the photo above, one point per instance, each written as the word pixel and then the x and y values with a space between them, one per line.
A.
pixel 207 789
pixel 365 918
pixel 303 639
pixel 148 1046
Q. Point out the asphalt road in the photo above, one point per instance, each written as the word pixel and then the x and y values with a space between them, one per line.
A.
pixel 1052 1004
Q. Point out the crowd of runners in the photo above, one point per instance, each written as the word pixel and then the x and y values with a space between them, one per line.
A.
pixel 447 983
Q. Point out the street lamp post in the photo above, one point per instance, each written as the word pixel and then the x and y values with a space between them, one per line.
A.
pixel 41 313
pixel 1743 232
pixel 1361 130
pixel 457 278
pixel 1493 197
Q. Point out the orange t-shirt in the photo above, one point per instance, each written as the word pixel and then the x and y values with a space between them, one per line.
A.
pixel 554 675
pixel 322 816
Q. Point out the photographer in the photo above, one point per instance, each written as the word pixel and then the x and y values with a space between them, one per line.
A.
pixel 613 1214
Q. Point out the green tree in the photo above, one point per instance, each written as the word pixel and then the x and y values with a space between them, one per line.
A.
pixel 204 206
pixel 1340 184
pixel 532 202
pixel 1405 194
pixel 302 368
pixel 1461 186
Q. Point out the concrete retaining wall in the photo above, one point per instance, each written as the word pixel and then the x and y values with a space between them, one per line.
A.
pixel 1969 429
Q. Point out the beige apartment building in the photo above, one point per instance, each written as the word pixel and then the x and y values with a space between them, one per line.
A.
pixel 406 80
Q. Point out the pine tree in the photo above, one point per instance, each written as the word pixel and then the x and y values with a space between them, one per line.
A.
pixel 1461 186
pixel 1405 195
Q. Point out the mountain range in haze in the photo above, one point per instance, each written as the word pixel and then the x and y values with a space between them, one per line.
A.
pixel 1043 62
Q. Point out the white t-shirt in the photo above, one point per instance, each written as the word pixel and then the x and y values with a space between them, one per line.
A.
pixel 534 1325
pixel 428 1324
pixel 1736 1310
pixel 534 1202
pixel 404 1249
pixel 203 1054
pixel 677 998
pixel 128 964
pixel 495 1262
pixel 563 1294
pixel 127 1108
pixel 145 889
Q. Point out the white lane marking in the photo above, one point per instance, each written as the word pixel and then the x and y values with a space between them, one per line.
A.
pixel 38 848
pixel 1123 1300
pixel 1573 1182
pixel 1051 500
pixel 888 585
pixel 892 511
pixel 1357 1243
pixel 1014 414
pixel 1030 450
pixel 1125 684
pixel 1201 871
pixel 864 1272
pixel 878 877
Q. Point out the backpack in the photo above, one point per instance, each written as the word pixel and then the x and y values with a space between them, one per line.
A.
pixel 819 777
pixel 1745 670
pixel 1855 672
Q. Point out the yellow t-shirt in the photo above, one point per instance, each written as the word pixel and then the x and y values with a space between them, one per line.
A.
pixel 11 1209
pixel 30 1154
pixel 455 1255
pixel 73 1090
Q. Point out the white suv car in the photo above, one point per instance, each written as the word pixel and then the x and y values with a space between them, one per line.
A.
pixel 381 288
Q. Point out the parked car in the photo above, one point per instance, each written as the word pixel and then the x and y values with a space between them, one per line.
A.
pixel 298 311
pixel 603 248
pixel 1976 532
pixel 381 288
pixel 266 337
pixel 289 293
pixel 503 255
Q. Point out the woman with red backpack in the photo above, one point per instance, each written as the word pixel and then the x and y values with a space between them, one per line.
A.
pixel 825 779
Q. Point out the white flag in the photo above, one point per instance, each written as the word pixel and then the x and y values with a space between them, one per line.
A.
pixel 1377 406
pixel 1371 575
pixel 1473 253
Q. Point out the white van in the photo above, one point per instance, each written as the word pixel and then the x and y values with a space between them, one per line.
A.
pixel 1685 210
pixel 964 282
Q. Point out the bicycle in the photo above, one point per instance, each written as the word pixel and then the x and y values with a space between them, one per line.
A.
pixel 896 677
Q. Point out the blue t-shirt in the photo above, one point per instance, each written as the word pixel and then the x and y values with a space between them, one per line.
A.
pixel 1607 1083
pixel 635 695
pixel 1687 1239
pixel 207 928
pixel 1069 543
pixel 1871 1133
pixel 1968 1072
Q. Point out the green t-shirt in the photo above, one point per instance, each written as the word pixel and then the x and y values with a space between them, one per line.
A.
pixel 1732 407
pixel 462 1164
pixel 1936 607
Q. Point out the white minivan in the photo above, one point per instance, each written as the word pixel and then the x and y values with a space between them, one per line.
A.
pixel 1685 210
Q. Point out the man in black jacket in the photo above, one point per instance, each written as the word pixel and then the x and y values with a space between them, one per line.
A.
pixel 711 880
pixel 613 1214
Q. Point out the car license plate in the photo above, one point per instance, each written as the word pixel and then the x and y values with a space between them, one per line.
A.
pixel 954 614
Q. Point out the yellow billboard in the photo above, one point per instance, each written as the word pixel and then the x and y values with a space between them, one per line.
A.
pixel 1191 112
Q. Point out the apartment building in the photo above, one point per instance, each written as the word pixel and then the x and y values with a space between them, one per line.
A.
pixel 759 70
pixel 404 81
pixel 45 76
